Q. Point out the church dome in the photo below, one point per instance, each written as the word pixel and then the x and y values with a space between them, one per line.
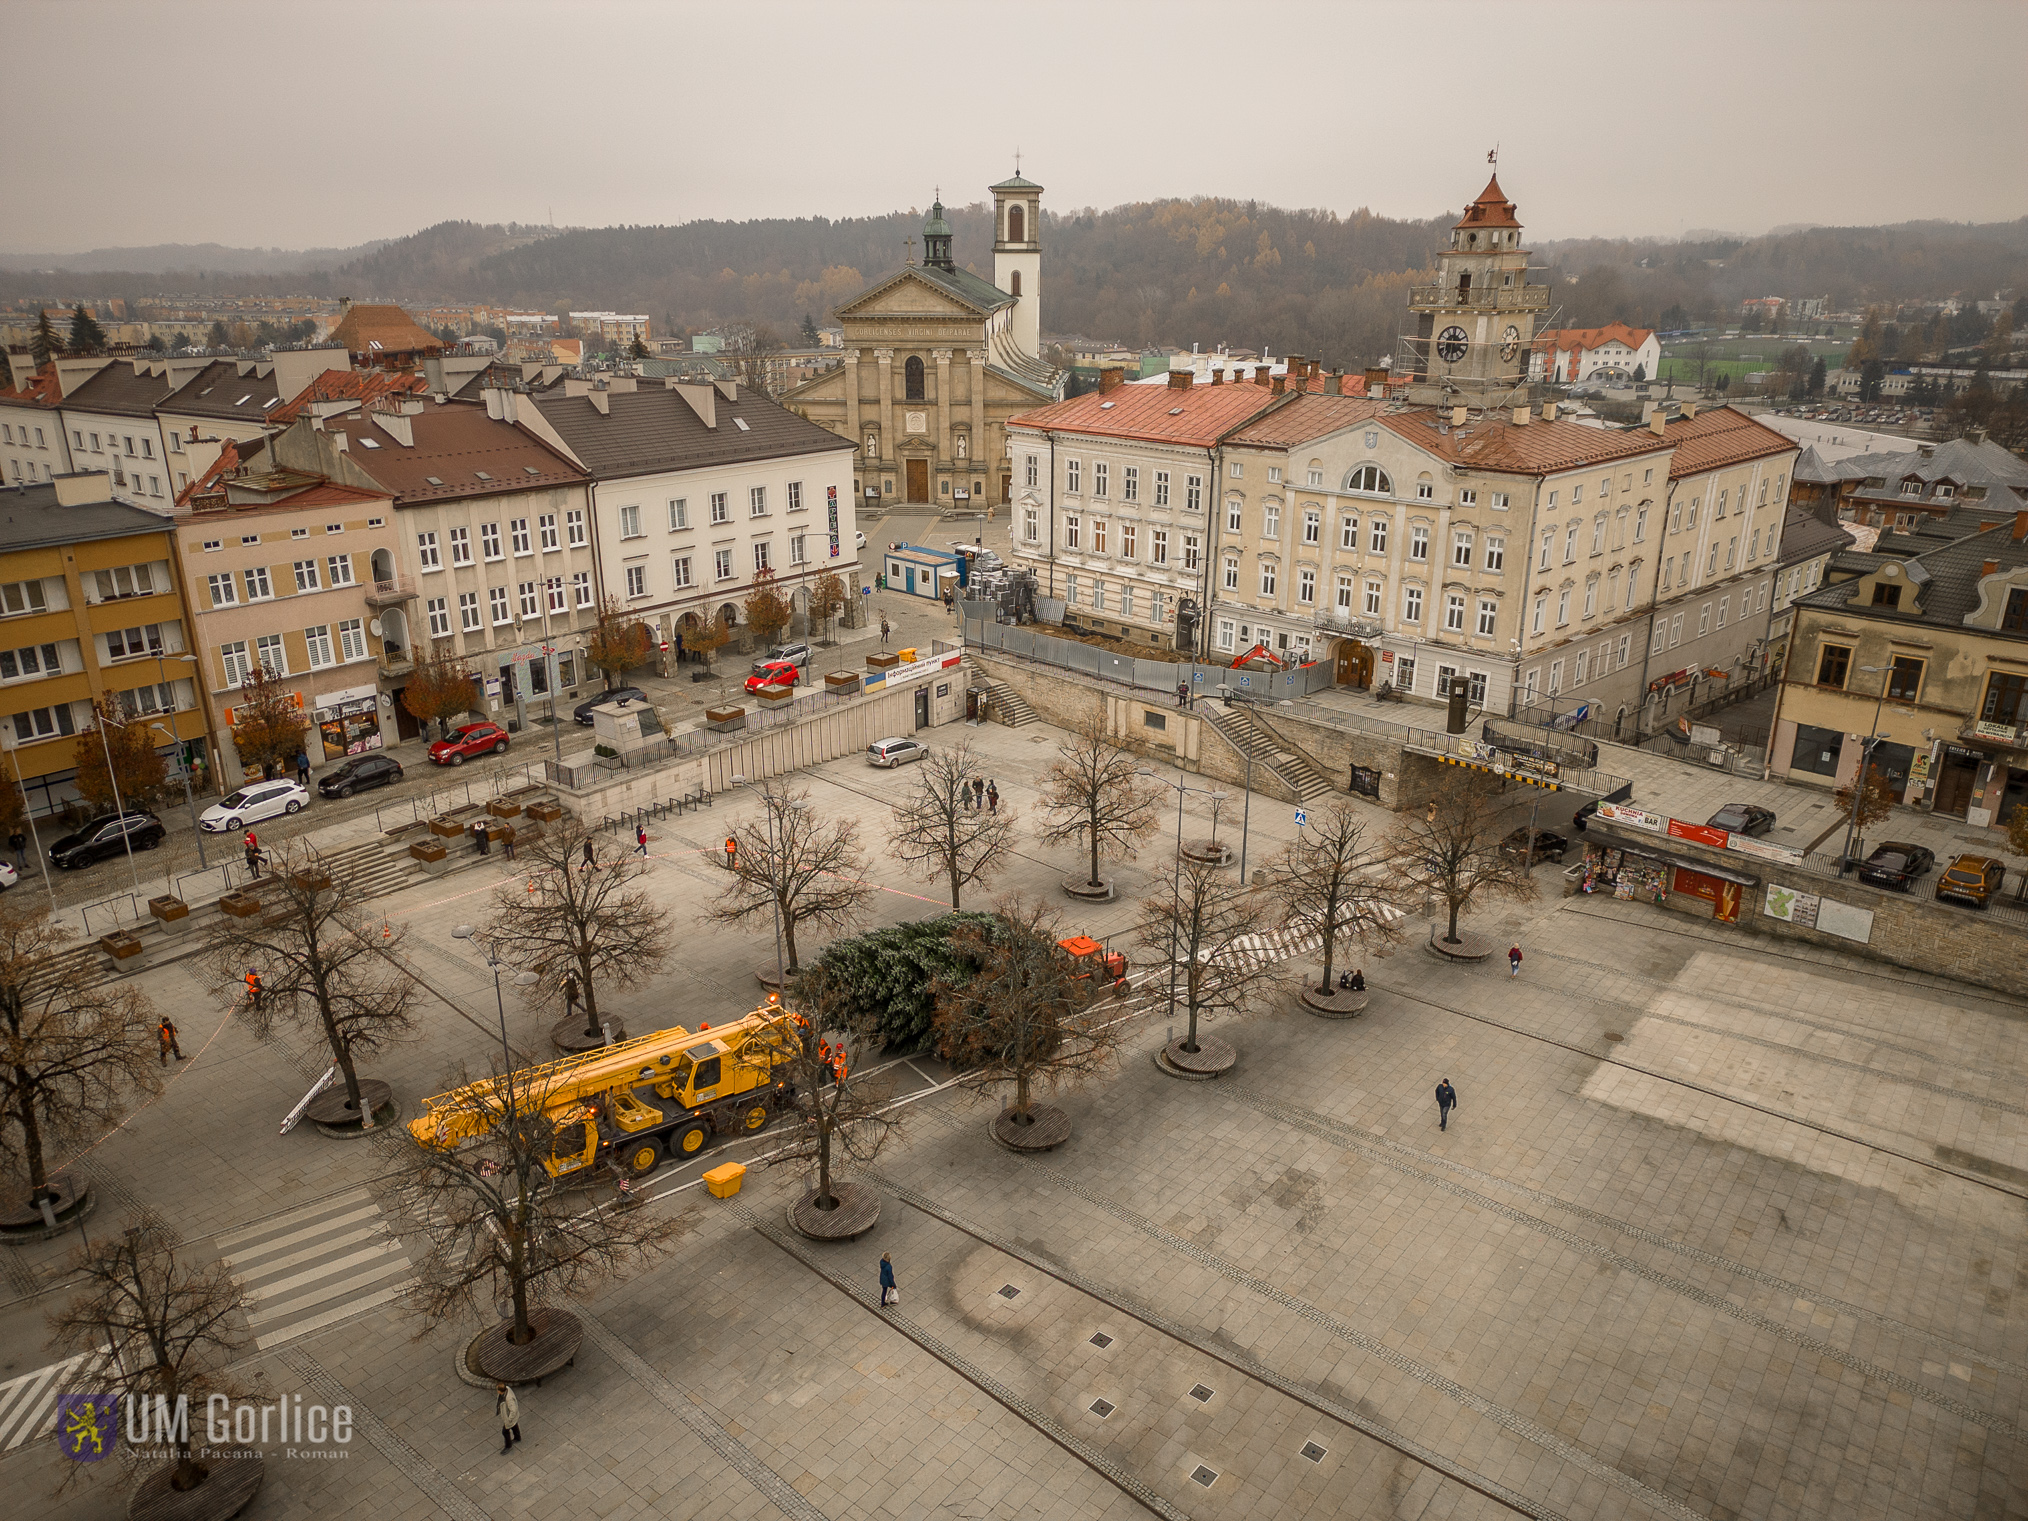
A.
pixel 936 226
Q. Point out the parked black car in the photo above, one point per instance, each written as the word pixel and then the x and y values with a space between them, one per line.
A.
pixel 1741 818
pixel 1896 865
pixel 107 835
pixel 582 712
pixel 1548 847
pixel 358 774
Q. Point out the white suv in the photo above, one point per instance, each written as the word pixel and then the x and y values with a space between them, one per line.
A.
pixel 252 803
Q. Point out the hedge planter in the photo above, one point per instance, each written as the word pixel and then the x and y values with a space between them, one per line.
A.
pixel 724 720
pixel 775 696
pixel 448 829
pixel 842 682
pixel 504 808
pixel 544 813
pixel 427 851
pixel 239 905
pixel 883 661
pixel 168 909
pixel 127 952
pixel 311 881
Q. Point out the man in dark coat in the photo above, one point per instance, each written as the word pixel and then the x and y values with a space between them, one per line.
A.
pixel 1447 1100
pixel 888 1292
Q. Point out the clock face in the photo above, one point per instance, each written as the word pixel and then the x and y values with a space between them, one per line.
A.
pixel 1450 345
pixel 1512 344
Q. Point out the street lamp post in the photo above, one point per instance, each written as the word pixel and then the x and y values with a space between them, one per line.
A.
pixel 34 838
pixel 555 724
pixel 522 979
pixel 119 807
pixel 1176 896
pixel 1866 745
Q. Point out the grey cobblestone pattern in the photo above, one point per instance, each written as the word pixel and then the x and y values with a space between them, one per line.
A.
pixel 686 1408
pixel 442 1491
pixel 1324 1130
pixel 1931 1164
pixel 1510 1420
pixel 1230 1355
pixel 1376 1148
pixel 955 1360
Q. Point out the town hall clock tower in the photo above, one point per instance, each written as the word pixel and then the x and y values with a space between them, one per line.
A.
pixel 1474 327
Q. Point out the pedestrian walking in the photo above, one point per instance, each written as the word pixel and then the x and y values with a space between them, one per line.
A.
pixel 883 631
pixel 19 843
pixel 254 990
pixel 1513 961
pixel 508 1409
pixel 590 860
pixel 889 1294
pixel 303 767
pixel 640 839
pixel 570 995
pixel 1447 1100
pixel 166 1033
pixel 1182 694
pixel 507 844
pixel 992 797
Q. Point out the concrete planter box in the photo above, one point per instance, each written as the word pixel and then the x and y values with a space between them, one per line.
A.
pixel 503 808
pixel 427 851
pixel 239 905
pixel 775 696
pixel 842 682
pixel 435 866
pixel 311 881
pixel 448 829
pixel 544 813
pixel 125 950
pixel 168 909
pixel 882 661
pixel 724 720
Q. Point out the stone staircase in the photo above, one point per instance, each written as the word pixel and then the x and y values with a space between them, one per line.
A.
pixel 373 867
pixel 1009 707
pixel 1296 771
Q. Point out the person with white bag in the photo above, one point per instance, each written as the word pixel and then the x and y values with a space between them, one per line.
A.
pixel 889 1294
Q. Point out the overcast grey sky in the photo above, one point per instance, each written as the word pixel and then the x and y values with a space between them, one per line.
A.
pixel 290 124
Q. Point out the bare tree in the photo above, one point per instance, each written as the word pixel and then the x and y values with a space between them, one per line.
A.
pixel 1030 1013
pixel 813 871
pixel 1332 879
pixel 1206 925
pixel 940 835
pixel 73 1051
pixel 320 964
pixel 172 1324
pixel 498 1225
pixel 835 1108
pixel 1452 849
pixel 1094 796
pixel 565 922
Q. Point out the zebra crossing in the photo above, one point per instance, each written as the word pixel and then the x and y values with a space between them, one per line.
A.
pixel 313 1266
pixel 28 1403
pixel 1294 940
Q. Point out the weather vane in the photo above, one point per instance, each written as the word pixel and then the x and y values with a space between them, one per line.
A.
pixel 1017 163
pixel 1493 157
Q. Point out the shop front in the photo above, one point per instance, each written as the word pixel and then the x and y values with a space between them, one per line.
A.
pixel 1653 876
pixel 348 722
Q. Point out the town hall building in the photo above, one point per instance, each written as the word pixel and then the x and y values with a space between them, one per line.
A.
pixel 937 358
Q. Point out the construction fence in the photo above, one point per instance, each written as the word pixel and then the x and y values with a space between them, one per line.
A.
pixel 1140 673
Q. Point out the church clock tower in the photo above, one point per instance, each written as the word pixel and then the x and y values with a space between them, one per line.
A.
pixel 1474 327
pixel 1017 256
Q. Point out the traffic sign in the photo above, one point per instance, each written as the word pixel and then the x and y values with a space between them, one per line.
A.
pixel 1302 818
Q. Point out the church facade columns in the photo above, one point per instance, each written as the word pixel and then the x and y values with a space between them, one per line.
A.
pixel 852 429
pixel 983 457
pixel 944 405
pixel 885 359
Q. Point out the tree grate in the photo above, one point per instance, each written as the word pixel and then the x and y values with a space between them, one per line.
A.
pixel 1008 1291
pixel 1201 1393
pixel 1205 1476
pixel 1103 1408
pixel 1313 1452
pixel 1101 1340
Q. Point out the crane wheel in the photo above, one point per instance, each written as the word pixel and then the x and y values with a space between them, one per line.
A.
pixel 643 1157
pixel 691 1138
pixel 756 1118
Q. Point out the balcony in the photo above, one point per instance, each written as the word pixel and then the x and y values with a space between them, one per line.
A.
pixel 391 593
pixel 1525 298
pixel 1331 620
pixel 1981 732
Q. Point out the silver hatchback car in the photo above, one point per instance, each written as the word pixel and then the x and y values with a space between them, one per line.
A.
pixel 895 752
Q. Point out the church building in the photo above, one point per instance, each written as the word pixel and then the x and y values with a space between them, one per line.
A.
pixel 937 359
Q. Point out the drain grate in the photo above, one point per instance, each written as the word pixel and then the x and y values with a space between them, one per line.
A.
pixel 1008 1291
pixel 1313 1452
pixel 1205 1476
pixel 1102 1408
pixel 1201 1393
pixel 1101 1340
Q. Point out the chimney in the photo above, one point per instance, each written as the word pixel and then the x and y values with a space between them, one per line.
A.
pixel 1459 415
pixel 1334 384
pixel 1180 380
pixel 1260 375
pixel 1218 377
pixel 1549 411
pixel 1689 411
pixel 1376 380
pixel 1647 411
pixel 1927 451
pixel 703 401
pixel 1989 568
pixel 2020 526
pixel 86 488
pixel 1975 435
pixel 601 398
pixel 1110 378
pixel 1521 416
pixel 393 421
pixel 1658 424
pixel 1299 370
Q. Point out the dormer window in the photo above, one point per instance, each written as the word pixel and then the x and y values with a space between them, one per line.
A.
pixel 1945 491
pixel 1911 488
pixel 1886 596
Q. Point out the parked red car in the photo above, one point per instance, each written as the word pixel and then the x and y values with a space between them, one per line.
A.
pixel 772 673
pixel 472 739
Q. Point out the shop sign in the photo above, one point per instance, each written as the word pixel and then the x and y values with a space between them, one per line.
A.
pixel 1530 765
pixel 1986 730
pixel 831 506
pixel 1633 818
pixel 1918 769
pixel 1788 855
pixel 1387 657
pixel 914 669
pixel 294 699
pixel 1702 834
pixel 339 699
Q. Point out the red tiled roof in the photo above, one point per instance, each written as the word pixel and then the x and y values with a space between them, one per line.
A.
pixel 1593 337
pixel 42 390
pixel 383 329
pixel 349 385
pixel 1307 417
pixel 1198 416
pixel 454 441
pixel 1494 442
pixel 1491 209
pixel 1721 437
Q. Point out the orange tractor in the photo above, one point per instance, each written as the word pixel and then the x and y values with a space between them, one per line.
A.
pixel 1100 966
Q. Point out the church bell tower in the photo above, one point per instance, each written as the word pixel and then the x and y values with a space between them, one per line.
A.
pixel 1017 255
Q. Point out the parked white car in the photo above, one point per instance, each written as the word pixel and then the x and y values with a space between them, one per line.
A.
pixel 252 803
pixel 890 753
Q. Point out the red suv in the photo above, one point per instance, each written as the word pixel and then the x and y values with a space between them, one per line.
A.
pixel 773 673
pixel 472 739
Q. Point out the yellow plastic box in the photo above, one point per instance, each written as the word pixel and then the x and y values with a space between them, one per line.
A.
pixel 907 655
pixel 724 1181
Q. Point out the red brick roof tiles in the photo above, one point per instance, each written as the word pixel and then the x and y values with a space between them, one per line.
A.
pixel 1495 442
pixel 349 385
pixel 1721 437
pixel 1198 416
pixel 1307 417
pixel 1491 209
pixel 1593 337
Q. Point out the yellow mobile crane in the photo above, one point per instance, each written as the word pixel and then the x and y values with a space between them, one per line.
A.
pixel 665 1094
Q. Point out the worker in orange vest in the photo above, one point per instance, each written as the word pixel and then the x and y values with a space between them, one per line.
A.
pixel 253 988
